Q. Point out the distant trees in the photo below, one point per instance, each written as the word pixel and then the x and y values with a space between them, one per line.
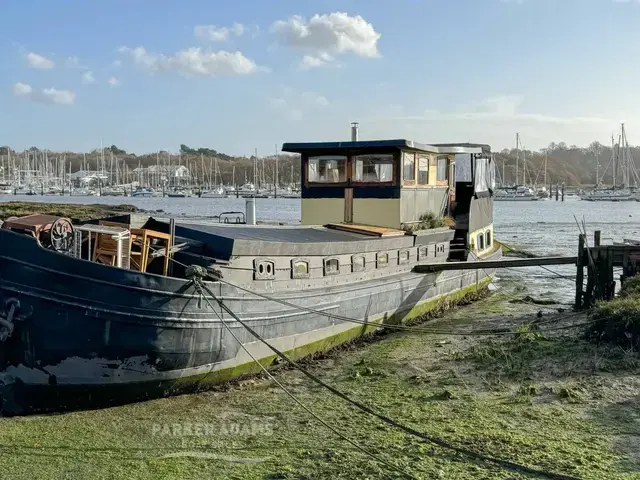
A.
pixel 117 151
pixel 207 152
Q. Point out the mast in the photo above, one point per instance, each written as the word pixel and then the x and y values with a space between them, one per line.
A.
pixel 275 182
pixel 597 165
pixel 613 159
pixel 517 155
pixel 546 155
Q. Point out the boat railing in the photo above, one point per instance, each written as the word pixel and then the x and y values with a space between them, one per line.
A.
pixel 232 217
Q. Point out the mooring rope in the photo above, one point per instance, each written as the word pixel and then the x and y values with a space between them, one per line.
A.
pixel 198 274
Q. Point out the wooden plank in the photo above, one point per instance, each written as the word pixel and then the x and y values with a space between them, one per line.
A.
pixel 506 263
pixel 366 229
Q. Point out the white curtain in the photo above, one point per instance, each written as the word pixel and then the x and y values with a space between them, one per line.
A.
pixel 481 180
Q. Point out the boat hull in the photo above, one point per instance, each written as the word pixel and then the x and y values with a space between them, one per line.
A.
pixel 89 335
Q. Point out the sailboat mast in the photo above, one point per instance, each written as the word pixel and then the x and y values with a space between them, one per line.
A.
pixel 517 155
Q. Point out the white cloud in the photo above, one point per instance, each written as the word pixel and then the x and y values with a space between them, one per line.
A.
pixel 87 77
pixel 63 97
pixel 35 60
pixel 327 35
pixel 193 61
pixel 311 61
pixel 218 34
pixel 113 82
pixel 46 95
pixel 116 63
pixel 497 109
pixel 22 89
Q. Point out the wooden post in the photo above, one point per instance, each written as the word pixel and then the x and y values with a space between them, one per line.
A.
pixel 591 273
pixel 611 285
pixel 579 272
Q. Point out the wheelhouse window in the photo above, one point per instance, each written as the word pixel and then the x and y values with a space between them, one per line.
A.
pixel 423 169
pixel 441 174
pixel 327 169
pixel 409 167
pixel 373 168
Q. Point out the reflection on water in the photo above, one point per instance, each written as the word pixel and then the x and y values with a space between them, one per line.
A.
pixel 544 227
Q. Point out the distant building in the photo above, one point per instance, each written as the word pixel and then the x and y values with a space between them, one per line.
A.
pixel 85 177
pixel 173 174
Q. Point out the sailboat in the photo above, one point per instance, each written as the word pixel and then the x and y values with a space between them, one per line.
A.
pixel 517 192
pixel 622 159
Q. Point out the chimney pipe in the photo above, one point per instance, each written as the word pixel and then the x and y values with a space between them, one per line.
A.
pixel 354 131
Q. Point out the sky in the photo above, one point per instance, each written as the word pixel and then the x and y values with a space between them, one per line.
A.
pixel 149 75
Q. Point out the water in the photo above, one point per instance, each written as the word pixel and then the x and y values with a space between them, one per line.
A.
pixel 545 227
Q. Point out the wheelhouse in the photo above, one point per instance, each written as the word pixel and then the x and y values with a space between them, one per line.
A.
pixel 387 183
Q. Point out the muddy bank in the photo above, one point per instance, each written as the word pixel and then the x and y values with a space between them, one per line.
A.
pixel 75 212
pixel 543 397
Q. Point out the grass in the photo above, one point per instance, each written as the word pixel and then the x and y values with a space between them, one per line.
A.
pixel 617 321
pixel 553 401
pixel 75 212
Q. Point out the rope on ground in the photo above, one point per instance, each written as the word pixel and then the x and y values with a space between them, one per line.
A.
pixel 509 465
pixel 197 273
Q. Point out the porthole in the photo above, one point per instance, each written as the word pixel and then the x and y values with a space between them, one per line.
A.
pixel 440 249
pixel 331 266
pixel 423 252
pixel 358 263
pixel 299 268
pixel 264 269
pixel 403 257
pixel 382 260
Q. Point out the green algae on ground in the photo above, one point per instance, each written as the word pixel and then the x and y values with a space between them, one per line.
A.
pixel 564 406
pixel 75 212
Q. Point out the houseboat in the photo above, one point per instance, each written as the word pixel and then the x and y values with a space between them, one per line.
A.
pixel 98 314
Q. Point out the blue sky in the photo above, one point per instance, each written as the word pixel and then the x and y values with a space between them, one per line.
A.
pixel 149 75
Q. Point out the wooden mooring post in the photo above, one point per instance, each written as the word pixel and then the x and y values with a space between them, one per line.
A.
pixel 600 261
pixel 579 272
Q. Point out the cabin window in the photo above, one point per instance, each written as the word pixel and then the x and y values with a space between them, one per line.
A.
pixel 299 268
pixel 409 166
pixel 264 270
pixel 441 174
pixel 488 238
pixel 357 263
pixel 327 169
pixel 382 260
pixel 403 257
pixel 423 169
pixel 480 241
pixel 423 252
pixel 373 168
pixel 331 266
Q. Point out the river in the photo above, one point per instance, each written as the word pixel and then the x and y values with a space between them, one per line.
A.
pixel 545 227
